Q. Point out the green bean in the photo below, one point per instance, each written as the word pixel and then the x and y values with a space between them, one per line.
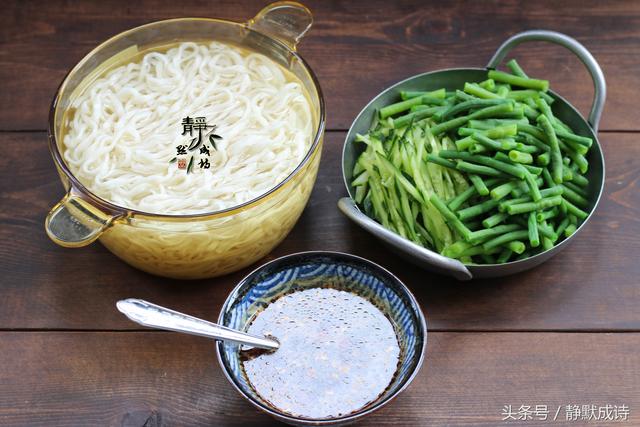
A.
pixel 556 156
pixel 398 107
pixel 462 96
pixel 492 123
pixel 475 210
pixel 505 158
pixel 547 231
pixel 545 193
pixel 546 176
pixel 515 68
pixel 478 149
pixel 441 161
pixel 494 219
pixel 505 238
pixel 523 95
pixel 456 249
pixel 519 146
pixel 486 161
pixel 574 210
pixel 580 149
pixel 520 157
pixel 534 191
pixel 455 203
pixel 550 100
pixel 528 111
pixel 547 243
pixel 504 255
pixel 502 91
pixel 484 112
pixel 571 228
pixel 401 106
pixel 487 259
pixel 545 109
pixel 534 237
pixel 499 76
pixel 545 215
pixel 479 184
pixel 477 169
pixel 532 130
pixel 415 116
pixel 503 190
pixel 561 228
pixel 581 191
pixel 543 159
pixel 574 197
pixel 502 207
pixel 532 140
pixel 577 158
pixel 580 180
pixel 450 217
pixel 582 140
pixel 486 141
pixel 541 204
pixel 488 84
pixel 516 246
pixel 516 114
pixel 468 105
pixel 496 132
pixel 420 107
pixel 476 90
pixel 480 235
pixel 408 94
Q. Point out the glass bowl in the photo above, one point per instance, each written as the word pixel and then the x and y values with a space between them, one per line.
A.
pixel 202 245
pixel 340 271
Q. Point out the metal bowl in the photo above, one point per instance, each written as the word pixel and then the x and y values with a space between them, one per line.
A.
pixel 324 269
pixel 452 79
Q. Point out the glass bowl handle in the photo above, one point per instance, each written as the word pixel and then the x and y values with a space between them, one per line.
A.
pixel 286 21
pixel 599 84
pixel 74 222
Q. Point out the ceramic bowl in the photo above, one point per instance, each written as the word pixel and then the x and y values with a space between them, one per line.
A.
pixel 325 269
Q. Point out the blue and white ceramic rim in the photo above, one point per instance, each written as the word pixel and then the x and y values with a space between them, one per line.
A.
pixel 290 419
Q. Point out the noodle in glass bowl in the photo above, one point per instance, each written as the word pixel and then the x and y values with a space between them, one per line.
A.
pixel 120 114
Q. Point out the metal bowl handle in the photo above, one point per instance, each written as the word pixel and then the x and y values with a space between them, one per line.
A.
pixel 599 84
pixel 429 258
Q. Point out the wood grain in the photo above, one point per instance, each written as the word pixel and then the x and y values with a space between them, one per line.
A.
pixel 592 285
pixel 166 379
pixel 356 48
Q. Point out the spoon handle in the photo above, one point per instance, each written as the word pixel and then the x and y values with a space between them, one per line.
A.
pixel 155 316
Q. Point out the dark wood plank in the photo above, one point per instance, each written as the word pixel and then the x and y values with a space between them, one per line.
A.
pixel 165 379
pixel 593 284
pixel 356 48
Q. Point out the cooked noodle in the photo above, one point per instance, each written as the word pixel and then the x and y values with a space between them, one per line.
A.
pixel 126 127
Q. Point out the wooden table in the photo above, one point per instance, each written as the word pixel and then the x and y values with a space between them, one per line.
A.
pixel 565 333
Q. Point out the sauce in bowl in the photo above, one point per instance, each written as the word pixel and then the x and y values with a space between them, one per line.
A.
pixel 338 352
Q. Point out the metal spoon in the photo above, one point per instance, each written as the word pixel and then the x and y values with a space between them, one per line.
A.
pixel 155 316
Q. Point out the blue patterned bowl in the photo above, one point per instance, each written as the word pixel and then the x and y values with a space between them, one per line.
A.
pixel 324 269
